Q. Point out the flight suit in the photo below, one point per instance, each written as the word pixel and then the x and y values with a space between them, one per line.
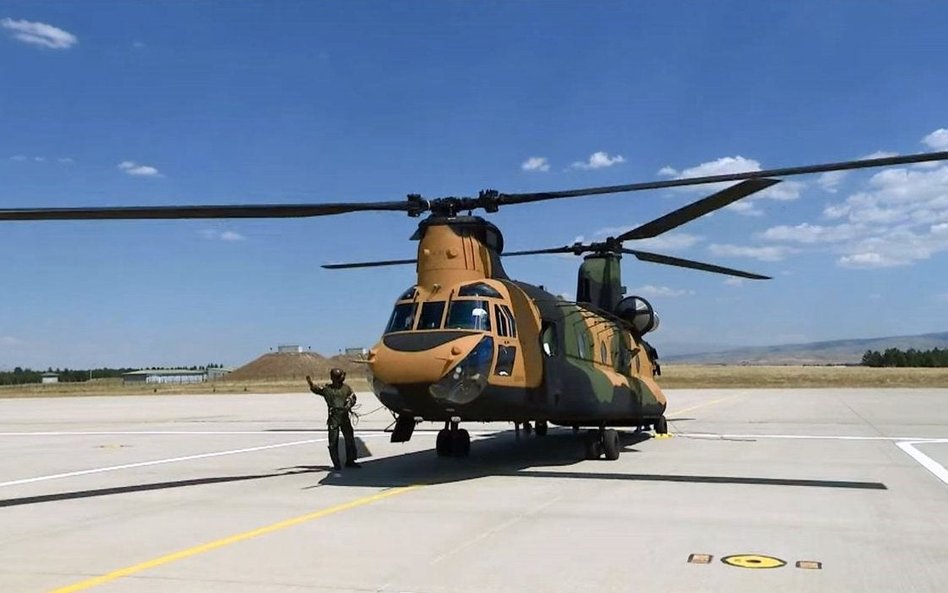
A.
pixel 340 400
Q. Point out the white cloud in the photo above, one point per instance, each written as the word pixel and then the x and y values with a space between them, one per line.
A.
pixel 18 158
pixel 721 166
pixel 830 180
pixel 937 139
pixel 598 160
pixel 734 281
pixel 661 291
pixel 536 163
pixel 899 217
pixel 65 160
pixel 39 34
pixel 133 168
pixel 767 253
pixel 9 341
pixel 215 235
pixel 138 44
pixel 39 159
pixel 782 192
pixel 812 233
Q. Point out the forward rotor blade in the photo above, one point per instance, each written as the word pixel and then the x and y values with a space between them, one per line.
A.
pixel 697 209
pixel 211 211
pixel 694 265
pixel 523 198
pixel 566 249
pixel 370 264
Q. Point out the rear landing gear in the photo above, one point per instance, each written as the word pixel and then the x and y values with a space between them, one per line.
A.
pixel 453 441
pixel 602 442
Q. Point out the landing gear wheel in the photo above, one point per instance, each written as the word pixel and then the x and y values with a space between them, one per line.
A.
pixel 661 425
pixel 610 444
pixel 460 443
pixel 443 444
pixel 527 429
pixel 591 444
pixel 542 427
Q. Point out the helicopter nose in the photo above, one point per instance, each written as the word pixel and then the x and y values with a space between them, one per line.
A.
pixel 464 382
pixel 420 358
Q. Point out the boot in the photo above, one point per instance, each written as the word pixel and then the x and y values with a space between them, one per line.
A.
pixel 334 455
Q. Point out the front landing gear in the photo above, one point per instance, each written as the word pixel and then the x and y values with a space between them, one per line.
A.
pixel 453 441
pixel 602 442
pixel 661 425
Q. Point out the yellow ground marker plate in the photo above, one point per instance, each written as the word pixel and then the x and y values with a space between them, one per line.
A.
pixel 753 561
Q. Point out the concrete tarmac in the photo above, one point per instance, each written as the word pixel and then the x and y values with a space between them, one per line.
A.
pixel 232 493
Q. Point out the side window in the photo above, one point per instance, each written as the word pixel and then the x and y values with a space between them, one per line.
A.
pixel 511 322
pixel 581 343
pixel 506 355
pixel 503 325
pixel 548 340
pixel 602 353
pixel 431 314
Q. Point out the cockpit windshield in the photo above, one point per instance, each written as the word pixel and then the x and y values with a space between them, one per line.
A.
pixel 403 318
pixel 469 315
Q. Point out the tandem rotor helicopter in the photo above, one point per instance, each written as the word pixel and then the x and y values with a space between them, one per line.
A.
pixel 466 343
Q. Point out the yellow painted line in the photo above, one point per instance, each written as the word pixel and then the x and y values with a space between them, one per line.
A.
pixel 187 553
pixel 705 404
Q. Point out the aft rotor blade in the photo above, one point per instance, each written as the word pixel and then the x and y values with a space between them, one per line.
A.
pixel 210 211
pixel 697 209
pixel 694 265
pixel 523 198
pixel 370 264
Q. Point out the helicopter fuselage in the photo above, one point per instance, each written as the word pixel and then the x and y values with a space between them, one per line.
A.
pixel 466 343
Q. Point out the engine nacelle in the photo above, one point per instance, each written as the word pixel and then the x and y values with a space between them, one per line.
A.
pixel 639 313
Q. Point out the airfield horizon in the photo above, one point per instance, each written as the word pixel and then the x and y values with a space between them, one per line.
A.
pixel 674 376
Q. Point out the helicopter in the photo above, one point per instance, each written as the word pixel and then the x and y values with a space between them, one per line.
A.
pixel 467 343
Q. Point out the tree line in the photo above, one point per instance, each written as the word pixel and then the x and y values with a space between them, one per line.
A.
pixel 894 357
pixel 22 376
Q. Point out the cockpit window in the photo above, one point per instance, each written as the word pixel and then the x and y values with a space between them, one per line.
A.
pixel 408 294
pixel 478 289
pixel 403 317
pixel 469 315
pixel 431 314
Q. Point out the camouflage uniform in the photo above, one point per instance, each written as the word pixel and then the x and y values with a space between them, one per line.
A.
pixel 340 399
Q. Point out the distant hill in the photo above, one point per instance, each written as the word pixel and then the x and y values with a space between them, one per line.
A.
pixel 277 366
pixel 833 352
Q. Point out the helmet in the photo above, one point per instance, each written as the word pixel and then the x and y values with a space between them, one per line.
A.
pixel 337 375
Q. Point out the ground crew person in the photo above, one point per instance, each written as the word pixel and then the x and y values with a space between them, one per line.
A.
pixel 339 398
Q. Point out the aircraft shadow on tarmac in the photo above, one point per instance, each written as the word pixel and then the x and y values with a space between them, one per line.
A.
pixel 499 454
pixel 502 454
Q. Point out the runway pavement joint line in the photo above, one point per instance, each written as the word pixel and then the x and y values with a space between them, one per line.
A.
pixel 927 462
pixel 233 539
pixel 704 405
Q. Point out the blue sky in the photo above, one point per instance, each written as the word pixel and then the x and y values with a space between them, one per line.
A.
pixel 128 103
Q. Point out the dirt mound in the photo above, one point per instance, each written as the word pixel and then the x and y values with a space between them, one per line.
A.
pixel 279 366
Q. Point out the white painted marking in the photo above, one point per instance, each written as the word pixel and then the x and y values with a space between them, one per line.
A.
pixel 271 433
pixel 705 435
pixel 113 468
pixel 927 462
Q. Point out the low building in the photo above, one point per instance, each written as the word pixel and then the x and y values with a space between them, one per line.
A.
pixel 288 348
pixel 215 373
pixel 47 378
pixel 172 376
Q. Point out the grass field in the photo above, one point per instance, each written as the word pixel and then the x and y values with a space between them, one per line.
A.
pixel 673 377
